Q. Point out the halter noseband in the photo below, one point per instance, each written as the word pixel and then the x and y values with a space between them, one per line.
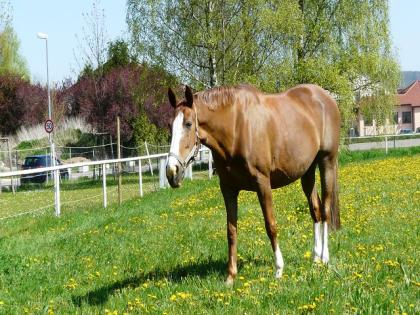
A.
pixel 194 152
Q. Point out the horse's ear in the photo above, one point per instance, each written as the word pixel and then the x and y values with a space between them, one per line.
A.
pixel 172 97
pixel 188 96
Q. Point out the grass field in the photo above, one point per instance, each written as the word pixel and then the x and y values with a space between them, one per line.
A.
pixel 167 253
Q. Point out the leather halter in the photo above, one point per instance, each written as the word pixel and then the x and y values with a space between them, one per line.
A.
pixel 194 152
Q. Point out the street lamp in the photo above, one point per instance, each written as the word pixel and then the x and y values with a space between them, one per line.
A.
pixel 45 36
pixel 53 157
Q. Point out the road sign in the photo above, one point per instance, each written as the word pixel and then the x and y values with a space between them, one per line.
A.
pixel 49 126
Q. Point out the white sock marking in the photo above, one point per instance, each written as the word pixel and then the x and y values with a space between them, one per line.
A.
pixel 317 242
pixel 177 131
pixel 325 257
pixel 279 262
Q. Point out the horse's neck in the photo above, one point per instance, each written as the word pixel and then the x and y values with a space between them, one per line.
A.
pixel 216 130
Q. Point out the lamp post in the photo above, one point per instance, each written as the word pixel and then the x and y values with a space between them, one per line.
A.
pixel 45 36
pixel 53 157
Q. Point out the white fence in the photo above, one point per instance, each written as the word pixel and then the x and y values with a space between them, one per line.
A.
pixel 56 170
pixel 383 142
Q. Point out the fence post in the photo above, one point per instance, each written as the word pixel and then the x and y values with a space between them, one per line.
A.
pixel 56 183
pixel 119 163
pixel 386 145
pixel 210 165
pixel 140 180
pixel 11 168
pixel 104 184
pixel 188 172
pixel 48 175
pixel 150 161
pixel 162 173
pixel 112 155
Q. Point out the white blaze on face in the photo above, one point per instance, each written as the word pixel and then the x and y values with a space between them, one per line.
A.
pixel 177 132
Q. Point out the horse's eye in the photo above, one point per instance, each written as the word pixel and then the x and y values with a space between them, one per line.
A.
pixel 188 124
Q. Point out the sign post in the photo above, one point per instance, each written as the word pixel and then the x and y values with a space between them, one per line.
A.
pixel 49 126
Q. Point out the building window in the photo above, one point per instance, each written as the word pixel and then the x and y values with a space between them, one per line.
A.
pixel 406 117
pixel 368 121
pixel 396 118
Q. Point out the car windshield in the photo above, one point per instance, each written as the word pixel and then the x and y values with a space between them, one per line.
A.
pixel 36 161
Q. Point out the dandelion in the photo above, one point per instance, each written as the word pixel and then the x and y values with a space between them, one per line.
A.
pixel 307 255
pixel 180 296
pixel 307 307
pixel 391 263
pixel 72 284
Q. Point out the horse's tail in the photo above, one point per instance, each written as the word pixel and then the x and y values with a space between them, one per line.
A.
pixel 335 206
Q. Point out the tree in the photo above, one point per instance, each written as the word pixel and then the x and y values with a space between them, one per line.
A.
pixel 345 47
pixel 212 42
pixel 11 62
pixel 342 45
pixel 93 44
pixel 115 99
pixel 118 55
pixel 21 103
pixel 137 93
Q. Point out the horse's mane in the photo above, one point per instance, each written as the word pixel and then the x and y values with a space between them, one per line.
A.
pixel 222 96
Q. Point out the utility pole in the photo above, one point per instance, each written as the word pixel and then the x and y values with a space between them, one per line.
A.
pixel 119 163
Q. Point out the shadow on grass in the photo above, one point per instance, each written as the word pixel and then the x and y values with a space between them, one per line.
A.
pixel 202 269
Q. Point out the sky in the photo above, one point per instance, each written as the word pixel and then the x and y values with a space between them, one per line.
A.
pixel 62 20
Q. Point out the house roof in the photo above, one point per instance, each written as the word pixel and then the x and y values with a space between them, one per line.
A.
pixel 410 95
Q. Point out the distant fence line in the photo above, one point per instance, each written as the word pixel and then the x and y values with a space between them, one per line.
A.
pixel 382 142
pixel 95 153
pixel 56 171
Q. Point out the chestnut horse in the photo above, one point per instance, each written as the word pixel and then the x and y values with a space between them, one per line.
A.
pixel 259 142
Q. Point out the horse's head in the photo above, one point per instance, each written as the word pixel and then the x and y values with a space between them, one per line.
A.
pixel 185 141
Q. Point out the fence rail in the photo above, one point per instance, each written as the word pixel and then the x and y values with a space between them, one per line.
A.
pixel 56 171
pixel 382 142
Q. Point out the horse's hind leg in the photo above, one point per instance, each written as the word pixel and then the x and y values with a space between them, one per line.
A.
pixel 266 202
pixel 309 188
pixel 327 168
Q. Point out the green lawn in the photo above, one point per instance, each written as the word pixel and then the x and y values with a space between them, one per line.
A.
pixel 167 253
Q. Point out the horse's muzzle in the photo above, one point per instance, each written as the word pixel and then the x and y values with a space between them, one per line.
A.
pixel 174 174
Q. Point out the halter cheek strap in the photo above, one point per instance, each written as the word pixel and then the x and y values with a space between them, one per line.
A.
pixel 191 157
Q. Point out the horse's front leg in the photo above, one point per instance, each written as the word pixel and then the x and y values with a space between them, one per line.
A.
pixel 266 202
pixel 231 202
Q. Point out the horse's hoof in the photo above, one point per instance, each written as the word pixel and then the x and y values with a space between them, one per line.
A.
pixel 317 260
pixel 279 273
pixel 229 281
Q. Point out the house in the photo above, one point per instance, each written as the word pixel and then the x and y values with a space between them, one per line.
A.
pixel 406 114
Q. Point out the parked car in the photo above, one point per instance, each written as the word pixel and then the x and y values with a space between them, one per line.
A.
pixel 405 131
pixel 418 130
pixel 39 161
